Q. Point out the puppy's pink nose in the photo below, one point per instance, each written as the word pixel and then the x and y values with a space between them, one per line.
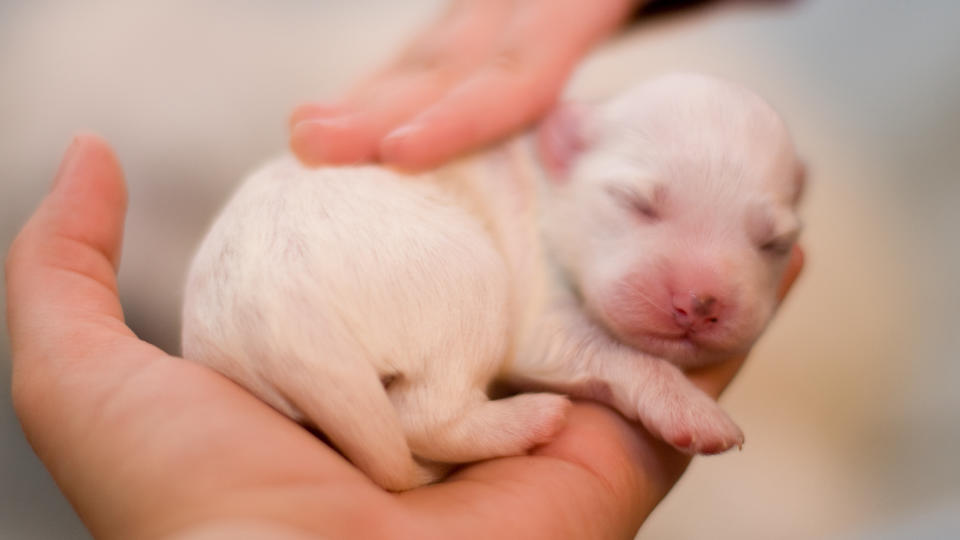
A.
pixel 695 311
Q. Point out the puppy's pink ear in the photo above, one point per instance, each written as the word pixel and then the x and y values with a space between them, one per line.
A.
pixel 561 136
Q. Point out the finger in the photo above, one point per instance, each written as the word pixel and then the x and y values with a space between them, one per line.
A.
pixel 62 307
pixel 520 80
pixel 313 111
pixel 351 131
pixel 505 96
pixel 600 478
pixel 351 135
pixel 453 43
pixel 63 262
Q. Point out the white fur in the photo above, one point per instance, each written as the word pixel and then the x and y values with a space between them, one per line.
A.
pixel 379 307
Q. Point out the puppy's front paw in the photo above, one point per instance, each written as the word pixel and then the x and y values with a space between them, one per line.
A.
pixel 544 416
pixel 691 422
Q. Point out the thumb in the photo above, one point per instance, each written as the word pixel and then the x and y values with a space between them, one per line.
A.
pixel 67 253
pixel 87 202
pixel 61 268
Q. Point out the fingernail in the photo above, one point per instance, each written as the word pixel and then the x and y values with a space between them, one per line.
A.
pixel 336 122
pixel 67 164
pixel 392 143
pixel 313 111
pixel 334 141
pixel 310 144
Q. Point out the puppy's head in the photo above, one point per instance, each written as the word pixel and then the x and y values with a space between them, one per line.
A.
pixel 672 209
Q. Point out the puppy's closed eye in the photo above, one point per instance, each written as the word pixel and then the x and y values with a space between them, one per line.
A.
pixel 781 244
pixel 635 201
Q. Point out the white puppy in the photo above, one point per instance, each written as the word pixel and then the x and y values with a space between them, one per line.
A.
pixel 596 258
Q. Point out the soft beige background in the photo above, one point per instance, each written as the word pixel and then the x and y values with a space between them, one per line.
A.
pixel 850 403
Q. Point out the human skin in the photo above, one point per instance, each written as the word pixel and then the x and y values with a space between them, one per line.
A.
pixel 147 445
pixel 482 70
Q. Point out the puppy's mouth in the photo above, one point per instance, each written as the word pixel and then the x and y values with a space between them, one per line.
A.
pixel 684 348
pixel 686 340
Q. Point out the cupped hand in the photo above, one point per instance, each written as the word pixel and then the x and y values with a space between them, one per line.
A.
pixel 484 69
pixel 146 445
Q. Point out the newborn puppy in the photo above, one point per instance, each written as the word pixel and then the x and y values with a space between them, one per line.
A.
pixel 598 257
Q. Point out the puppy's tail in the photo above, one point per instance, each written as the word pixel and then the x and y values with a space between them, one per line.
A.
pixel 345 399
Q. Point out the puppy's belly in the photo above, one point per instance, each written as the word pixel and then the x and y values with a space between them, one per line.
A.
pixel 340 265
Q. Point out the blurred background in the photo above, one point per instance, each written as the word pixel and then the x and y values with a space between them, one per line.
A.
pixel 850 402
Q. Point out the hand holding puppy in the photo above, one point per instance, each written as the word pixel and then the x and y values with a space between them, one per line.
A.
pixel 147 445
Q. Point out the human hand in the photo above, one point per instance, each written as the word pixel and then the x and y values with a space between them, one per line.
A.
pixel 146 445
pixel 482 71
